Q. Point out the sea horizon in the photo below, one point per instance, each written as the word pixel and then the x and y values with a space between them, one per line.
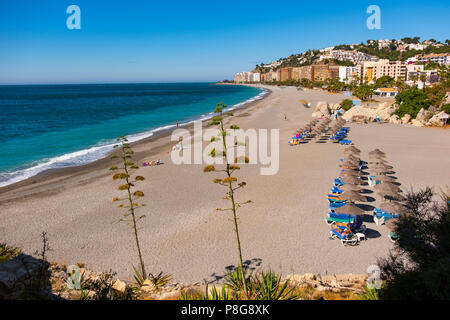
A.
pixel 32 145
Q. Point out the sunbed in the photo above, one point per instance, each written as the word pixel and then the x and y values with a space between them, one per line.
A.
pixel 344 234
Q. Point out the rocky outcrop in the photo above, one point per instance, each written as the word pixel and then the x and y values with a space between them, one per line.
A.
pixel 395 119
pixel 436 120
pixel 321 110
pixel 381 111
pixel 406 118
pixel 417 123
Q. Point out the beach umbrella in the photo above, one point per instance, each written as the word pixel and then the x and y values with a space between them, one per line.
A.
pixel 394 196
pixel 382 166
pixel 350 187
pixel 350 209
pixel 376 156
pixel 351 156
pixel 352 171
pixel 393 207
pixel 377 152
pixel 377 160
pixel 350 162
pixel 380 171
pixel 351 180
pixel 352 196
pixel 387 187
pixel 352 148
pixel 384 178
pixel 390 195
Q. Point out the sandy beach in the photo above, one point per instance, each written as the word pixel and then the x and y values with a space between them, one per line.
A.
pixel 185 236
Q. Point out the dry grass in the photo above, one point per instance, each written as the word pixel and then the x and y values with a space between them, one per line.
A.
pixel 308 292
pixel 8 253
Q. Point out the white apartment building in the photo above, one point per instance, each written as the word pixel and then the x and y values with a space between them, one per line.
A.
pixel 441 58
pixel 242 77
pixel 354 56
pixel 347 74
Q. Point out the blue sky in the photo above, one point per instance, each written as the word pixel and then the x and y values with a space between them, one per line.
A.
pixel 161 41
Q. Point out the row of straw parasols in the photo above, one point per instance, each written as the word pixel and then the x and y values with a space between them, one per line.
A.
pixel 387 189
pixel 352 178
pixel 337 126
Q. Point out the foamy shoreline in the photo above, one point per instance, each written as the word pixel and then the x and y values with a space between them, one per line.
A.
pixel 100 151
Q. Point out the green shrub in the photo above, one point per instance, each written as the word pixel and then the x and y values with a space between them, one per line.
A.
pixel 446 108
pixel 346 104
pixel 411 101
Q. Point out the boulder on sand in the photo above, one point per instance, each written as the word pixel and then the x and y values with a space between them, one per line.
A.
pixel 436 120
pixel 406 118
pixel 395 119
pixel 321 110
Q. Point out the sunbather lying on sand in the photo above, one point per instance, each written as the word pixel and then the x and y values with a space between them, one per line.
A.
pixel 152 163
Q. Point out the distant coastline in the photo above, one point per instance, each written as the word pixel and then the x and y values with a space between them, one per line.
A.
pixel 41 169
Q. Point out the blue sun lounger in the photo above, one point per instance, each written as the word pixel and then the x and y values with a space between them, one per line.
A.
pixel 336 190
pixel 381 216
pixel 344 235
pixel 336 205
pixel 346 142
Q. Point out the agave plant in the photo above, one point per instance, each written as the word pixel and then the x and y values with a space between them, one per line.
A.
pixel 230 182
pixel 124 174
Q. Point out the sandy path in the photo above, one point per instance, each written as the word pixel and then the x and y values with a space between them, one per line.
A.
pixel 185 236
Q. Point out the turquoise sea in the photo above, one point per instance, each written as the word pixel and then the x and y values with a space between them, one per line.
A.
pixel 54 126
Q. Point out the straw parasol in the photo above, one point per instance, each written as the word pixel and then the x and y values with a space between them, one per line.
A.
pixel 387 187
pixel 351 172
pixel 350 187
pixel 390 195
pixel 393 207
pixel 382 166
pixel 353 196
pixel 380 171
pixel 351 180
pixel 384 178
pixel 350 209
pixel 377 152
pixel 352 148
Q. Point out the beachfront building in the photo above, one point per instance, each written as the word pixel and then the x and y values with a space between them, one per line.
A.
pixel 348 74
pixel 372 70
pixel 441 58
pixel 269 76
pixel 415 72
pixel 254 77
pixel 304 72
pixel 322 72
pixel 244 77
pixel 386 92
pixel 285 74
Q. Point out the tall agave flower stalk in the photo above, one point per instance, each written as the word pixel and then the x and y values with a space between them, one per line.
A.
pixel 229 181
pixel 131 205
